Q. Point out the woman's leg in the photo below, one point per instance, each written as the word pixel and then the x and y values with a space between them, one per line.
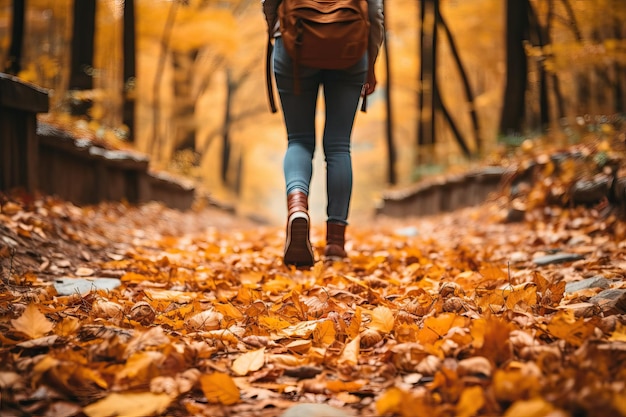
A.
pixel 342 90
pixel 299 115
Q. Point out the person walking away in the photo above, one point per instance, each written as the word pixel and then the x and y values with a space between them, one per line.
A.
pixel 298 85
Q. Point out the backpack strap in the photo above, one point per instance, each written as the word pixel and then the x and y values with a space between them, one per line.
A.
pixel 268 73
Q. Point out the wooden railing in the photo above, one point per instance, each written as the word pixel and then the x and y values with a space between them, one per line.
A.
pixel 38 157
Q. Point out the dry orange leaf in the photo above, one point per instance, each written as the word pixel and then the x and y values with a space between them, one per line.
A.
pixel 355 324
pixel 535 407
pixel 67 326
pixel 324 333
pixel 219 388
pixel 32 323
pixel 249 362
pixel 436 327
pixel 565 325
pixel 522 294
pixel 300 346
pixel 141 366
pixel 471 401
pixel 129 404
pixel 350 354
pixel 273 324
pixel 382 319
pixel 229 310
pixel 390 401
pixel 302 329
pixel 619 334
pixel 344 386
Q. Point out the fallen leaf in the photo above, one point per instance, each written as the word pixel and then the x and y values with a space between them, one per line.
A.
pixel 350 353
pixel 129 405
pixel 67 326
pixel 205 320
pixel 219 388
pixel 535 407
pixel 32 323
pixel 389 402
pixel 471 401
pixel 84 272
pixel 249 362
pixel 382 320
pixel 354 328
pixel 324 333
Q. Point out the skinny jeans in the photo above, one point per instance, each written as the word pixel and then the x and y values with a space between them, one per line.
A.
pixel 342 91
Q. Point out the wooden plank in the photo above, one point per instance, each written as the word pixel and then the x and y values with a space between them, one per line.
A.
pixel 18 94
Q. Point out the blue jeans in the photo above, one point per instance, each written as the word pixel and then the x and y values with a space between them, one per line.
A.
pixel 342 91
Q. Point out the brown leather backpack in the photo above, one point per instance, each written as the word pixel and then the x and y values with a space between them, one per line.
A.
pixel 327 34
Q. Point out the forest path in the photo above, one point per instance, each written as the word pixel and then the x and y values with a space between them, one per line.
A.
pixel 142 310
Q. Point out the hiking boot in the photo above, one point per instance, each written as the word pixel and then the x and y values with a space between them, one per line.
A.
pixel 298 250
pixel 335 241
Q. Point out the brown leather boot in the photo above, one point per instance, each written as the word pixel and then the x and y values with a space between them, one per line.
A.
pixel 298 250
pixel 335 241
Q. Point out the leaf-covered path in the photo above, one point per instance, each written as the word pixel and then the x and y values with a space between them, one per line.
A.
pixel 137 311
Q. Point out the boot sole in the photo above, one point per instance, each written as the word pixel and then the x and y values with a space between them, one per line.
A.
pixel 298 250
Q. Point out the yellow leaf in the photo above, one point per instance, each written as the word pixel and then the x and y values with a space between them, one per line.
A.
pixel 344 386
pixel 302 329
pixel 355 325
pixel 436 327
pixel 619 334
pixel 472 400
pixel 129 405
pixel 526 294
pixel 619 402
pixel 299 346
pixel 251 278
pixel 324 333
pixel 536 407
pixel 219 388
pixel 229 311
pixel 67 326
pixel 32 323
pixel 141 366
pixel 249 362
pixel 273 323
pixel 390 401
pixel 87 375
pixel 382 319
pixel 350 354
pixel 565 325
pixel 513 384
pixel 286 360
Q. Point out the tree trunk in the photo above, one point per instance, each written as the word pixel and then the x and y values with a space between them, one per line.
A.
pixel 469 95
pixel 129 68
pixel 81 62
pixel 157 135
pixel 538 37
pixel 14 61
pixel 391 150
pixel 226 142
pixel 428 62
pixel 513 109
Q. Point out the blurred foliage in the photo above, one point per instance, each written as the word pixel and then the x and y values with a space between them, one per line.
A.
pixel 216 54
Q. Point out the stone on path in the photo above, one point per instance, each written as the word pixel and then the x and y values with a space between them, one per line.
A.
pixel 557 258
pixel 611 301
pixel 314 410
pixel 594 282
pixel 70 285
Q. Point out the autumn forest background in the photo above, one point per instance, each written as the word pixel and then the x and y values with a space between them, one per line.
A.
pixel 185 85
